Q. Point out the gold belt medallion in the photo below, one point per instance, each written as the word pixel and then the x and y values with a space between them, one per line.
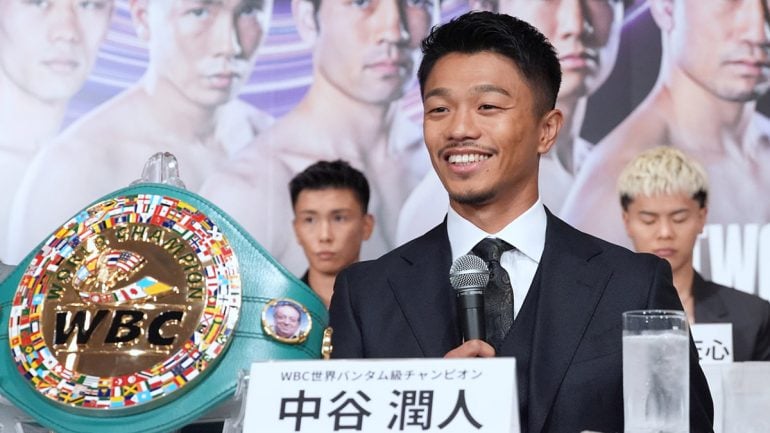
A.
pixel 126 304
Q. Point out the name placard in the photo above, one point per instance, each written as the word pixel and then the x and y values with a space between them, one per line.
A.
pixel 383 396
pixel 714 342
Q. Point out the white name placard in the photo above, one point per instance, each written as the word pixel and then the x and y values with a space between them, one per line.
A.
pixel 383 396
pixel 714 342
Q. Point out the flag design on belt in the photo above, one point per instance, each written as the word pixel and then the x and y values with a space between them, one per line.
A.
pixel 100 272
pixel 145 288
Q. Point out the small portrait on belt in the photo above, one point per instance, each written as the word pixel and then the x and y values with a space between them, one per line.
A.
pixel 286 320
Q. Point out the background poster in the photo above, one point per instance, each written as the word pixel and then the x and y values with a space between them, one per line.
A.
pixel 246 93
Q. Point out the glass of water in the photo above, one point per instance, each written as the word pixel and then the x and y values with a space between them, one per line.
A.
pixel 656 371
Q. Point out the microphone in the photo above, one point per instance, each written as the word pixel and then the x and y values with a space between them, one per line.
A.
pixel 469 275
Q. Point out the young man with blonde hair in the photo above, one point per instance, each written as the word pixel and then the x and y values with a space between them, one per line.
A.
pixel 664 194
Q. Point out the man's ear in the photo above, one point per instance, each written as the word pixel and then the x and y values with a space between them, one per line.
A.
pixel 305 20
pixel 368 226
pixel 663 13
pixel 484 5
pixel 140 18
pixel 550 126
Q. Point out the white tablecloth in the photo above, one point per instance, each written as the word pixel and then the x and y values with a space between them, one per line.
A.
pixel 741 393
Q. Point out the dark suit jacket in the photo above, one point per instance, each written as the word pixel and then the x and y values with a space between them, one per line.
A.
pixel 749 314
pixel 402 305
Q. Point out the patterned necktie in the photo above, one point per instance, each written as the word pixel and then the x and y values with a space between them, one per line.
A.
pixel 498 296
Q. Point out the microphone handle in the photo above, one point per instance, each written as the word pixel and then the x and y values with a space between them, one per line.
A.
pixel 470 306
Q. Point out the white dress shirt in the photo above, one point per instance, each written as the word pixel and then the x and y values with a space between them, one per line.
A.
pixel 526 234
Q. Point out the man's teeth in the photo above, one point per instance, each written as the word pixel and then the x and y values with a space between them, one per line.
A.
pixel 467 158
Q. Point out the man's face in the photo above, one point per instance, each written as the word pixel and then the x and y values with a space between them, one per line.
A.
pixel 48 47
pixel 480 126
pixel 585 33
pixel 331 226
pixel 723 46
pixel 365 48
pixel 205 49
pixel 665 225
pixel 286 320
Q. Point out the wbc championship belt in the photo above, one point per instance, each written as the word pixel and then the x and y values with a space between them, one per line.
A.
pixel 139 312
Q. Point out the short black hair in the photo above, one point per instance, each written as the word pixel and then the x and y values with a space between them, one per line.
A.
pixel 476 32
pixel 331 174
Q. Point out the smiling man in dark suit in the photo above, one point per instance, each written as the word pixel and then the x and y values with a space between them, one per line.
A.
pixel 489 85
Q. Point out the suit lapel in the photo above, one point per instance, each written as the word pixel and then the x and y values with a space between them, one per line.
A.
pixel 421 287
pixel 570 290
pixel 709 306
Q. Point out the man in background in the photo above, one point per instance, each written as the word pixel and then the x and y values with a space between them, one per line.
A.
pixel 715 65
pixel 363 60
pixel 489 84
pixel 200 53
pixel 586 35
pixel 40 71
pixel 331 221
pixel 664 196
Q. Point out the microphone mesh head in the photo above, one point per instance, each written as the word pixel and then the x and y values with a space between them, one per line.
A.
pixel 469 271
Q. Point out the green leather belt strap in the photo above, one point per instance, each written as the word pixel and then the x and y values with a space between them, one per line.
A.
pixel 262 279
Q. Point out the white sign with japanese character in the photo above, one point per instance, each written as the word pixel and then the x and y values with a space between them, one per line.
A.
pixel 714 342
pixel 383 396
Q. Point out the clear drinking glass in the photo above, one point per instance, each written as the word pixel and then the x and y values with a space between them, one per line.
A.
pixel 656 371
